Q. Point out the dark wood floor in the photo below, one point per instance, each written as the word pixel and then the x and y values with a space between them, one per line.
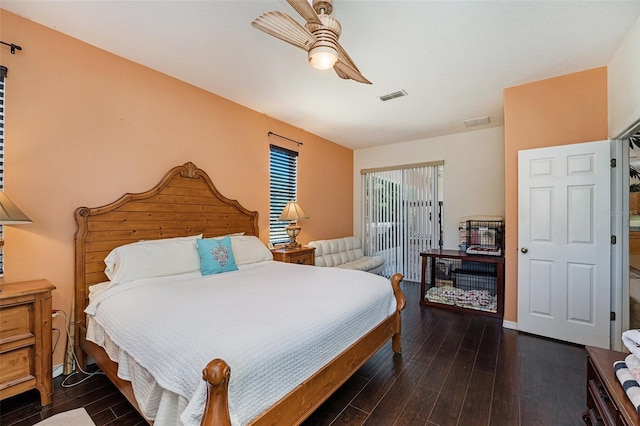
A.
pixel 456 369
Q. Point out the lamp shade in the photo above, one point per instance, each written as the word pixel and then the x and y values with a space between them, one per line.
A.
pixel 10 214
pixel 293 212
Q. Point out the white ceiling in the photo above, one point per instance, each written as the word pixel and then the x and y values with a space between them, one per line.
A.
pixel 453 58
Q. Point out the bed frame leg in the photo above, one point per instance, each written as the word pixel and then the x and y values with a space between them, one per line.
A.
pixel 216 411
pixel 401 301
pixel 396 344
pixel 80 354
pixel 81 357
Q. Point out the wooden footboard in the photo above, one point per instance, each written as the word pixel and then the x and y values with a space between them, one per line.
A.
pixel 296 406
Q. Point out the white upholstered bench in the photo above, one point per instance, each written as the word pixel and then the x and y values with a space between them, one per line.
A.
pixel 346 253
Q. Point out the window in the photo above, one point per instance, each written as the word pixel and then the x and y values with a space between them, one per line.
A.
pixel 283 187
pixel 402 215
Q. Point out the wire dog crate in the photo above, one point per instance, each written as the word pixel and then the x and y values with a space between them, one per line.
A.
pixel 484 237
pixel 457 280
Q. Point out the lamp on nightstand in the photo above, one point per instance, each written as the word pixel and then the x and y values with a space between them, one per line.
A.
pixel 292 212
pixel 10 214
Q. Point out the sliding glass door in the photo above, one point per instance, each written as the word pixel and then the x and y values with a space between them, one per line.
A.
pixel 402 209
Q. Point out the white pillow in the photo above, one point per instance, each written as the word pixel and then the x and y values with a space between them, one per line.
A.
pixel 249 249
pixel 153 258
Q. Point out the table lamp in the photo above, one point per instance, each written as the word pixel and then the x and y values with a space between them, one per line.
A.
pixel 10 214
pixel 292 212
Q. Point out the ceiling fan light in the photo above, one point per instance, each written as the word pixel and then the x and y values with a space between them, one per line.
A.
pixel 323 57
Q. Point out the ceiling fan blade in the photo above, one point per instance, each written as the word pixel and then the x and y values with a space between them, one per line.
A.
pixel 305 10
pixel 284 27
pixel 340 73
pixel 344 57
pixel 346 71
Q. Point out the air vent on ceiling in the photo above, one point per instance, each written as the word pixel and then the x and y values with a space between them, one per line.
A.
pixel 477 121
pixel 398 94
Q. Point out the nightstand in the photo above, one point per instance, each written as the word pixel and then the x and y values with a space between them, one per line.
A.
pixel 301 255
pixel 25 339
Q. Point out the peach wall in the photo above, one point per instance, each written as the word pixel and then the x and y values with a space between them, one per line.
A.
pixel 84 126
pixel 558 111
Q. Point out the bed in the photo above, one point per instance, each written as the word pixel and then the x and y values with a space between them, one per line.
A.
pixel 183 205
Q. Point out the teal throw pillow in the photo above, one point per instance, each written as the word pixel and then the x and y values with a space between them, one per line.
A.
pixel 216 255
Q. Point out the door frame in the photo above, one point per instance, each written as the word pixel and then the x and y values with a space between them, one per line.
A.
pixel 620 227
pixel 620 250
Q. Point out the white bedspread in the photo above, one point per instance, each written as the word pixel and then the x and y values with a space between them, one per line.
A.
pixel 270 320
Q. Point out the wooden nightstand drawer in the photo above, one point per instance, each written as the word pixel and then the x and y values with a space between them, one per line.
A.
pixel 15 323
pixel 300 255
pixel 15 365
pixel 302 258
pixel 25 339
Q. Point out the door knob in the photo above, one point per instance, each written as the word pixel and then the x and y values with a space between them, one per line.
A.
pixel 524 249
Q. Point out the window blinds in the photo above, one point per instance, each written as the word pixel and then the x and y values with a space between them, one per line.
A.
pixel 283 180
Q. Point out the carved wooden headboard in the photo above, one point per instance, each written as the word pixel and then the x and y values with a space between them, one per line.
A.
pixel 185 202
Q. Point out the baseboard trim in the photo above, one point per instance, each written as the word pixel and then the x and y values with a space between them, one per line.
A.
pixel 57 370
pixel 510 325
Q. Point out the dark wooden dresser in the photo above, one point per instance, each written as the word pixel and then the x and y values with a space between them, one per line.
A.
pixel 607 403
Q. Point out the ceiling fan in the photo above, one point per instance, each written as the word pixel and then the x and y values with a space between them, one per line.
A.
pixel 318 37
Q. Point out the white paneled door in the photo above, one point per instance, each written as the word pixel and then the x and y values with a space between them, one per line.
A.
pixel 564 242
